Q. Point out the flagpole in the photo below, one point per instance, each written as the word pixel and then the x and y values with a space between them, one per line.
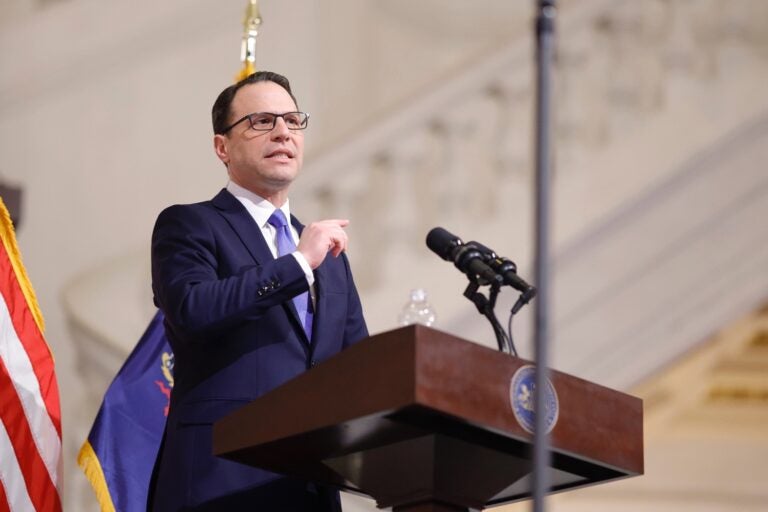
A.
pixel 545 24
pixel 251 24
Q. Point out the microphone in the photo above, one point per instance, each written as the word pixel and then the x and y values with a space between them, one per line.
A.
pixel 507 269
pixel 467 258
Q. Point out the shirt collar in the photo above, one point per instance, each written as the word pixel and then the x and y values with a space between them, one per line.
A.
pixel 259 208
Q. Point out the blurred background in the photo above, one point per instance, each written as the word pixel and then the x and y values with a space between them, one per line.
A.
pixel 422 115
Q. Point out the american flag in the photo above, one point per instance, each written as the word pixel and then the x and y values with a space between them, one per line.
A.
pixel 30 413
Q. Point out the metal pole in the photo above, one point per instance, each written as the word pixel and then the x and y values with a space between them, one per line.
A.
pixel 545 24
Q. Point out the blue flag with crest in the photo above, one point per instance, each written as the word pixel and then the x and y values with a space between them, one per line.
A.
pixel 120 451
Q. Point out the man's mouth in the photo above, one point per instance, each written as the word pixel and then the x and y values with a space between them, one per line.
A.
pixel 281 154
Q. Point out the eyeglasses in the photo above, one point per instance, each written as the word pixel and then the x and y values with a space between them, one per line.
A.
pixel 265 121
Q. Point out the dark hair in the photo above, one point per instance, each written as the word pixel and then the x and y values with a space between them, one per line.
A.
pixel 220 113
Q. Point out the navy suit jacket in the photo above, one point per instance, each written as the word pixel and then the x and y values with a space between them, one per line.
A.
pixel 235 334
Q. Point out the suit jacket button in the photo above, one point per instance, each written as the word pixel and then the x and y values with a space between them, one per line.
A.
pixel 312 363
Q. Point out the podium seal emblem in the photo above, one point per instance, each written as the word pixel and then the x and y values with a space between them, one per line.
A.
pixel 521 391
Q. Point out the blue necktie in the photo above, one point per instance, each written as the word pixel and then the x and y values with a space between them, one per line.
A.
pixel 285 245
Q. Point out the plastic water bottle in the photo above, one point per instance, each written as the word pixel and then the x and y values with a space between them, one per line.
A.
pixel 417 310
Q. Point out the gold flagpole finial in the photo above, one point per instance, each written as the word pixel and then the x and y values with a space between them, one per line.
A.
pixel 251 25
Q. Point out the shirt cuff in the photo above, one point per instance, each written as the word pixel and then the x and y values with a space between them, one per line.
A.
pixel 305 267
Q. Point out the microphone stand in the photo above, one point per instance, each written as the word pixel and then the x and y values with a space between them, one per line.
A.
pixel 545 27
pixel 485 306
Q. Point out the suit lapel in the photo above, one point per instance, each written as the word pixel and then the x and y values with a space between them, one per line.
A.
pixel 243 225
pixel 321 303
pixel 250 234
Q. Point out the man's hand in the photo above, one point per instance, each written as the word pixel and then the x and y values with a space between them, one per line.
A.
pixel 320 237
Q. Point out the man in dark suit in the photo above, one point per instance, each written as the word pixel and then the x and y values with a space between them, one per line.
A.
pixel 251 300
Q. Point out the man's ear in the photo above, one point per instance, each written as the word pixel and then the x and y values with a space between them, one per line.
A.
pixel 220 146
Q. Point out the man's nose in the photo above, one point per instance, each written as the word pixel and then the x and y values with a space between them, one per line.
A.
pixel 280 131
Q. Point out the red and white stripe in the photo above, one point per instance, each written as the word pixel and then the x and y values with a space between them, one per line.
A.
pixel 30 413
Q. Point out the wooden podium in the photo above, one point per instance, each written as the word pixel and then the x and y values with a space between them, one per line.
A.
pixel 423 421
